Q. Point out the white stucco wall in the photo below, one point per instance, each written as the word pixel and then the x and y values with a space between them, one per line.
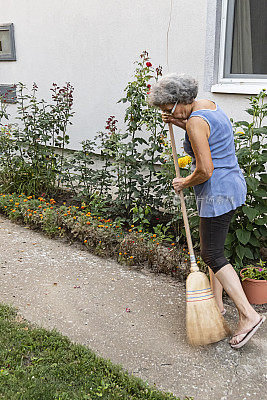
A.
pixel 93 44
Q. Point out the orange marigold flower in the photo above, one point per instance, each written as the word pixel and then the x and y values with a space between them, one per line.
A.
pixel 59 227
pixel 120 254
pixel 85 241
pixel 130 230
pixel 154 235
pixel 30 214
pixel 173 244
pixel 88 223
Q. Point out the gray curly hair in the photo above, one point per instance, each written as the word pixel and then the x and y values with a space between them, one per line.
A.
pixel 171 88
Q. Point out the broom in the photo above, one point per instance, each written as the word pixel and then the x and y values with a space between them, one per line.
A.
pixel 204 322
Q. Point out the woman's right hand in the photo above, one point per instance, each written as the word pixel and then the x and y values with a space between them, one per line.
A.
pixel 168 118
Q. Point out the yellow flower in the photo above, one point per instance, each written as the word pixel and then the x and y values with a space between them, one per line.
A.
pixel 184 161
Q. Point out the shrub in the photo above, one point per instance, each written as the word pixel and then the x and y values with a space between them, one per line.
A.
pixel 248 228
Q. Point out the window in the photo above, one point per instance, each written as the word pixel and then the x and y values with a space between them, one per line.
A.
pixel 7 43
pixel 243 47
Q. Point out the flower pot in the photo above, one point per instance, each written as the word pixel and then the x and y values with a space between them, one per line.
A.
pixel 255 290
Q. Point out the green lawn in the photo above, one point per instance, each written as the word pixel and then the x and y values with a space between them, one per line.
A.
pixel 37 364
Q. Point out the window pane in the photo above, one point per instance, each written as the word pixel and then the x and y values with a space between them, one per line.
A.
pixel 249 46
pixel 5 46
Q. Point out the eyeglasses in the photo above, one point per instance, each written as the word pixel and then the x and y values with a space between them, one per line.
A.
pixel 174 107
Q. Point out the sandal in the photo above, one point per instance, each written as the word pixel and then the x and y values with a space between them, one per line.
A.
pixel 249 334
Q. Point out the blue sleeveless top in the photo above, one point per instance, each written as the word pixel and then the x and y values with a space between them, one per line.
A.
pixel 226 189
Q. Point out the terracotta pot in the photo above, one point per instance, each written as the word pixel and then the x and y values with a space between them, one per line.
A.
pixel 255 290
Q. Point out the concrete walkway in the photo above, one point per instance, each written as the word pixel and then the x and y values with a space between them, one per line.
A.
pixel 55 284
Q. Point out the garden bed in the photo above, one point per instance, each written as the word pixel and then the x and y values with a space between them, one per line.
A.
pixel 101 236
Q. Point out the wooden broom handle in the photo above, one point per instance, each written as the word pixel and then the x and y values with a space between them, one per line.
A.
pixel 194 266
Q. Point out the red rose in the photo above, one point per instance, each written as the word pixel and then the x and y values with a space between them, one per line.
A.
pixel 149 86
pixel 148 64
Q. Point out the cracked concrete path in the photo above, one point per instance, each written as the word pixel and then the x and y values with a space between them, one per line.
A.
pixel 57 285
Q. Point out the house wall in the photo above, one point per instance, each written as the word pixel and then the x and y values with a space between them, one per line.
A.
pixel 94 43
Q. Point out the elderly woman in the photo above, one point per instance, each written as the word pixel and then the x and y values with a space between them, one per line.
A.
pixel 218 183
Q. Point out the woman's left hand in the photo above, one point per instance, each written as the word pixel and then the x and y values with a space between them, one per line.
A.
pixel 178 184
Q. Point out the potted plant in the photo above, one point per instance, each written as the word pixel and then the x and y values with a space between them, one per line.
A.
pixel 254 282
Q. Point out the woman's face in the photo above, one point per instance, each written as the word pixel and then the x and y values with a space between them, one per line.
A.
pixel 181 111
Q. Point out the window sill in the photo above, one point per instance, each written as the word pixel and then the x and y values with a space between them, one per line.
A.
pixel 240 87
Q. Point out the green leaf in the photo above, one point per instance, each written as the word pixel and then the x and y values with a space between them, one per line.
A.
pixel 264 177
pixel 250 111
pixel 256 146
pixel 250 212
pixel 260 193
pixel 229 239
pixel 263 231
pixel 254 241
pixel 252 182
pixel 228 253
pixel 261 221
pixel 243 236
pixel 240 251
pixel 248 253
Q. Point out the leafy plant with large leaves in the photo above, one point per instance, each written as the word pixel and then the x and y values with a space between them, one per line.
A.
pixel 247 232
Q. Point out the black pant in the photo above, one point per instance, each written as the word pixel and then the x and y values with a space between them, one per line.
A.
pixel 212 232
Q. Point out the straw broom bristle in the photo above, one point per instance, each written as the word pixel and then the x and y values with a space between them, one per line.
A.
pixel 204 322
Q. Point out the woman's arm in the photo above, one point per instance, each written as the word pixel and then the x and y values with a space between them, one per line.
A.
pixel 168 118
pixel 198 132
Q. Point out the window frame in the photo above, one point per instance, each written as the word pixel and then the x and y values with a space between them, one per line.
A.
pixel 233 83
pixel 12 55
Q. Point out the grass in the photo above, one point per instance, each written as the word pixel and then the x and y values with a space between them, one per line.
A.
pixel 36 364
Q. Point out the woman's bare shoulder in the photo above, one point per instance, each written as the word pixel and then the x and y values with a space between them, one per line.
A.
pixel 197 125
pixel 204 104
